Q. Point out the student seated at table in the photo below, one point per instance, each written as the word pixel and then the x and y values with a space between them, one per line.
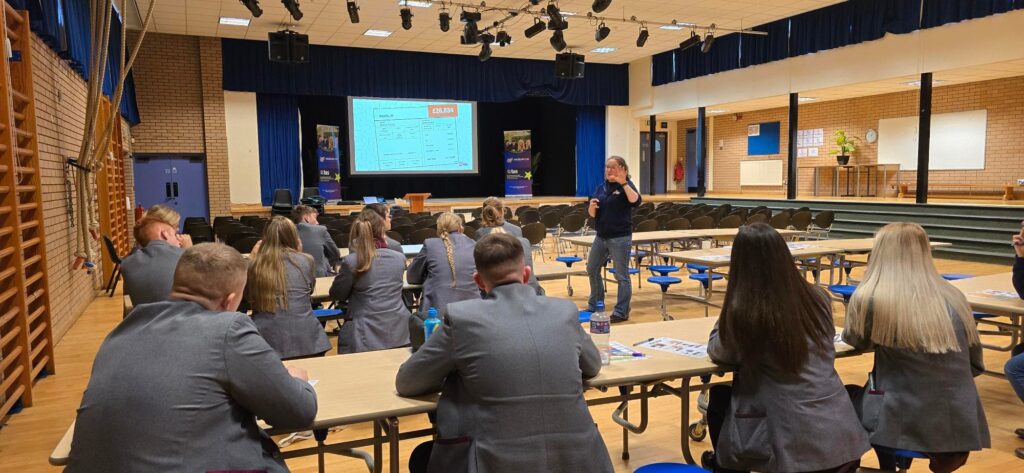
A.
pixel 1014 368
pixel 149 271
pixel 169 216
pixel 495 219
pixel 371 281
pixel 383 240
pixel 178 385
pixel 445 269
pixel 280 288
pixel 316 241
pixel 787 410
pixel 493 213
pixel 510 369
pixel 921 394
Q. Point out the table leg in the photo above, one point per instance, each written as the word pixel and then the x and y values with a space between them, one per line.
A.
pixel 392 425
pixel 378 447
pixel 684 421
pixel 320 436
pixel 711 281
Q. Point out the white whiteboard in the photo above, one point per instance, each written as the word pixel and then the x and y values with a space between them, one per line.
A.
pixel 957 141
pixel 761 173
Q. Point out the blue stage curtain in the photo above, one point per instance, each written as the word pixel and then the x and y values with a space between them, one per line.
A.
pixel 277 122
pixel 940 12
pixel 590 149
pixel 756 49
pixel 872 19
pixel 363 72
pixel 724 56
pixel 819 30
pixel 76 21
pixel 663 67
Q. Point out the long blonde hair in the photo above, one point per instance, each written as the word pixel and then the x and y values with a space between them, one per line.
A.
pixel 268 280
pixel 448 223
pixel 493 216
pixel 903 301
pixel 363 239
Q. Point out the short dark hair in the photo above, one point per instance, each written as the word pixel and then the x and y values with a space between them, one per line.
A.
pixel 301 211
pixel 497 254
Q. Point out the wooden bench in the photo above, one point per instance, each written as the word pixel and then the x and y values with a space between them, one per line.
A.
pixel 1007 189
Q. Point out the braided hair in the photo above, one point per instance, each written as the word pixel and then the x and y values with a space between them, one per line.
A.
pixel 448 223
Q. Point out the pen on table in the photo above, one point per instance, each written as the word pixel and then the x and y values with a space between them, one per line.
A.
pixel 644 341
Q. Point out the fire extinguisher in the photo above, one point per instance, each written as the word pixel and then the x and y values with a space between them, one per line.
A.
pixel 138 212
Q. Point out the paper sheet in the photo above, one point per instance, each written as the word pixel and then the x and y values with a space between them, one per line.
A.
pixel 995 294
pixel 676 347
pixel 620 352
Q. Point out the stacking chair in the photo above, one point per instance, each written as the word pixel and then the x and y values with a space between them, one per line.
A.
pixel 535 233
pixel 780 221
pixel 731 221
pixel 282 204
pixel 821 225
pixel 419 236
pixel 244 245
pixel 115 275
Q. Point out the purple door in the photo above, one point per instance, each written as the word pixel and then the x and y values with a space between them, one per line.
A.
pixel 173 180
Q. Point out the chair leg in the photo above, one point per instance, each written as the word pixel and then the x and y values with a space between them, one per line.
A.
pixel 116 280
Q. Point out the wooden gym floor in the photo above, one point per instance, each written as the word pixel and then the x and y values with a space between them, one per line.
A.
pixel 26 442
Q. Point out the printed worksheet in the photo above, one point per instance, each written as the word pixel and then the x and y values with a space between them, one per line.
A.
pixel 995 294
pixel 676 347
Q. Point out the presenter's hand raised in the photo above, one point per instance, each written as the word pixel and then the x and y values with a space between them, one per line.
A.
pixel 594 204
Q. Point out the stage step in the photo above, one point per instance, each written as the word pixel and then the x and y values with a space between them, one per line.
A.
pixel 977 232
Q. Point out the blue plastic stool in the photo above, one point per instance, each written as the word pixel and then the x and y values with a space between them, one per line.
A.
pixel 631 272
pixel 670 468
pixel 584 317
pixel 903 457
pixel 705 281
pixel 982 315
pixel 664 282
pixel 956 276
pixel 843 290
pixel 326 315
pixel 663 270
pixel 700 268
pixel 568 260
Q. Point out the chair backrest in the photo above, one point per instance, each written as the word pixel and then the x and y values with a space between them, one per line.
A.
pixel 404 231
pixel 780 221
pixel 647 226
pixel 469 231
pixel 824 219
pixel 394 235
pixel 529 216
pixel 425 223
pixel 535 232
pixel 189 220
pixel 419 236
pixel 111 250
pixel 310 192
pixel 399 221
pixel 800 220
pixel 573 222
pixel 249 220
pixel 757 218
pixel 340 239
pixel 678 224
pixel 730 221
pixel 283 197
pixel 702 223
pixel 550 219
pixel 245 245
pixel 239 234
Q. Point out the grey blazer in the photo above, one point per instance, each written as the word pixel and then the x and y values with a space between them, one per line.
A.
pixel 781 422
pixel 149 272
pixel 929 401
pixel 430 268
pixel 295 332
pixel 510 369
pixel 510 228
pixel 176 387
pixel 378 319
pixel 317 243
pixel 394 245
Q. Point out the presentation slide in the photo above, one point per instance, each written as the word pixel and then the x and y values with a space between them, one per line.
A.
pixel 390 136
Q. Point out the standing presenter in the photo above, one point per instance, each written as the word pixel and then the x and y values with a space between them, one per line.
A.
pixel 611 207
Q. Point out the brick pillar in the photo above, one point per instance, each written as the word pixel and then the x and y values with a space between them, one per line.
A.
pixel 214 128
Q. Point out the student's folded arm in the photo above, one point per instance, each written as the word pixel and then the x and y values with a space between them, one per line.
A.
pixel 259 382
pixel 417 271
pixel 341 288
pixel 590 357
pixel 717 352
pixel 424 372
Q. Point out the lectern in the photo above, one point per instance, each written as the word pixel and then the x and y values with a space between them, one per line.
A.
pixel 416 201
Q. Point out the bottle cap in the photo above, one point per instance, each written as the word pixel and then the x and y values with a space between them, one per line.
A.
pixel 432 312
pixel 600 306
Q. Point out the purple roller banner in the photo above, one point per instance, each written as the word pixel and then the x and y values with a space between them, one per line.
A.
pixel 518 164
pixel 328 161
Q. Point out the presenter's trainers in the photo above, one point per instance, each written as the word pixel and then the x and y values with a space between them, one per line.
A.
pixel 1019 432
pixel 616 318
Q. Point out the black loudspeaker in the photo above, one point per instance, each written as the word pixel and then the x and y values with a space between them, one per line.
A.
pixel 288 47
pixel 569 66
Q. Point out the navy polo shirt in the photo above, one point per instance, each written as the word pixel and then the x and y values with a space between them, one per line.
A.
pixel 614 211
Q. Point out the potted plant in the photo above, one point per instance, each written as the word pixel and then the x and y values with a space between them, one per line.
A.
pixel 846 147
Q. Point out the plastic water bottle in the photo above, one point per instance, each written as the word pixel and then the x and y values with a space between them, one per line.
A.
pixel 601 332
pixel 431 324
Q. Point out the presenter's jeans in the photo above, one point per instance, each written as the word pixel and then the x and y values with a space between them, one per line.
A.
pixel 1014 370
pixel 618 248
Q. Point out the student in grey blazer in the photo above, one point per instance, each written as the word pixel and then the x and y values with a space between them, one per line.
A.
pixel 149 271
pixel 445 266
pixel 921 394
pixel 284 314
pixel 178 385
pixel 383 240
pixel 316 241
pixel 371 282
pixel 504 408
pixel 493 216
pixel 787 410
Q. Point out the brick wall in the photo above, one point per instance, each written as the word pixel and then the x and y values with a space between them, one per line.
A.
pixel 1003 98
pixel 215 128
pixel 169 93
pixel 60 114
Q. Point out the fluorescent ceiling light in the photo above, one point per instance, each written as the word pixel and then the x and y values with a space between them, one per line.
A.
pixel 808 99
pixel 224 20
pixel 671 27
pixel 602 50
pixel 416 3
pixel 377 33
pixel 917 83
